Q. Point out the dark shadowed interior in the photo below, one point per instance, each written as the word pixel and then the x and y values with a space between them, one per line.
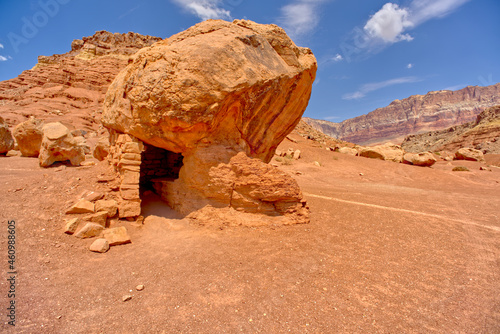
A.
pixel 158 163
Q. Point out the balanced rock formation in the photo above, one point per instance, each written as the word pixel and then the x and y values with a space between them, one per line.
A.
pixel 58 144
pixel 417 113
pixel 482 134
pixel 70 87
pixel 29 136
pixel 208 93
pixel 6 139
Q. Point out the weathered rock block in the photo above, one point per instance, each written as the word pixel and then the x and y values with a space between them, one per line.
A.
pixel 6 139
pixel 424 159
pixel 108 206
pixel 468 153
pixel 58 144
pixel 29 136
pixel 116 236
pixel 389 152
pixel 82 206
pixel 90 230
pixel 101 149
pixel 71 226
pixel 348 150
pixel 101 245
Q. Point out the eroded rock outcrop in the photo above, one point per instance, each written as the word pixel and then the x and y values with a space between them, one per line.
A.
pixel 482 134
pixel 211 92
pixel 58 144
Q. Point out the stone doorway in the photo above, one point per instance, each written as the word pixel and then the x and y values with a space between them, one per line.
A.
pixel 158 164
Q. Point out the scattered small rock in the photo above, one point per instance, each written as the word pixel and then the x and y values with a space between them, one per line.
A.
pixel 317 164
pixel 105 178
pixel 89 230
pixel 116 236
pixel 100 246
pixel 296 154
pixel 82 206
pixel 98 218
pixel 140 287
pixel 94 196
pixel 126 298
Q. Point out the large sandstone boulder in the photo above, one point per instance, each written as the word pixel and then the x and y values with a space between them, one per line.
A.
pixel 389 152
pixel 29 136
pixel 220 94
pixel 240 84
pixel 468 153
pixel 6 140
pixel 58 144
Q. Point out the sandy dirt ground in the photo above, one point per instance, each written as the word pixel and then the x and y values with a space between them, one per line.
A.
pixel 391 248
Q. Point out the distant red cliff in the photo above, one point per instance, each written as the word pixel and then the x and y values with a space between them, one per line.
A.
pixel 415 114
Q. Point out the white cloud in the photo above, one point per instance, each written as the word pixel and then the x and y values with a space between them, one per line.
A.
pixel 389 23
pixel 300 17
pixel 410 65
pixel 370 87
pixel 337 57
pixel 1 46
pixel 205 9
pixel 2 58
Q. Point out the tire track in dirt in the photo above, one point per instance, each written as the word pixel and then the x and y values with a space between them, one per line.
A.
pixel 466 222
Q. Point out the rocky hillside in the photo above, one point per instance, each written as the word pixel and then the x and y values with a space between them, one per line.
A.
pixel 415 114
pixel 70 87
pixel 482 134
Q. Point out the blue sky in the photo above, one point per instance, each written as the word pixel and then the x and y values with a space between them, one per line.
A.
pixel 369 52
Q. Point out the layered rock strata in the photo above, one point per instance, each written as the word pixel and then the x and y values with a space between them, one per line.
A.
pixel 418 113
pixel 70 88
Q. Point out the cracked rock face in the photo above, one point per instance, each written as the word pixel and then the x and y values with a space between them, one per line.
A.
pixel 217 92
